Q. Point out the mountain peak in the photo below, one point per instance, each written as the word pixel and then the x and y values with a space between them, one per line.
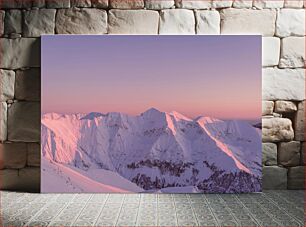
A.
pixel 54 115
pixel 92 116
pixel 179 116
pixel 152 110
pixel 159 146
pixel 206 119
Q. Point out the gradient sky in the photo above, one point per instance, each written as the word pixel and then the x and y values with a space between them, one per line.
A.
pixel 218 76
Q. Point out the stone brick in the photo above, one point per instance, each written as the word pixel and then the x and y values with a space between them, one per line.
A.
pixel 99 3
pixel 285 106
pixel 39 3
pixel 56 4
pixel 270 51
pixel 242 4
pixel 126 4
pixel 289 153
pixel 276 115
pixel 15 4
pixel 269 154
pixel 39 22
pixel 27 85
pixel 159 4
pixel 283 84
pixel 13 21
pixel 208 22
pixel 303 160
pixel 13 36
pixel 290 22
pixel 30 179
pixel 26 179
pixel 24 122
pixel 80 3
pixel 177 21
pixel 293 52
pixel 248 21
pixel 9 179
pixel 262 4
pixel 3 121
pixel 221 3
pixel 192 4
pixel 293 3
pixel 277 129
pixel 33 154
pixel 81 21
pixel 299 122
pixel 296 178
pixel 13 155
pixel 139 22
pixel 20 53
pixel 2 15
pixel 274 177
pixel 7 80
pixel 267 107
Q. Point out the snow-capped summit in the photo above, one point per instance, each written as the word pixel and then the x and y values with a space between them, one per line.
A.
pixel 205 120
pixel 178 116
pixel 151 110
pixel 152 114
pixel 157 150
pixel 92 116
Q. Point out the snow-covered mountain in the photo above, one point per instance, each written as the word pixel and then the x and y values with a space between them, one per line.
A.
pixel 157 150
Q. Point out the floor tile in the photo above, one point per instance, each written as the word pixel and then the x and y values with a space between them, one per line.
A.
pixel 270 208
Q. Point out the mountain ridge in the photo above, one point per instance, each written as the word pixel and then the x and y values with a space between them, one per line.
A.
pixel 157 149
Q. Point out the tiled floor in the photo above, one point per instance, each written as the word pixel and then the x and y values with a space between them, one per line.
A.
pixel 271 208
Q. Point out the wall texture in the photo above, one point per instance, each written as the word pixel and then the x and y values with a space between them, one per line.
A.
pixel 280 22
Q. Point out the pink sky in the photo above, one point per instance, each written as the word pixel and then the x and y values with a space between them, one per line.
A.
pixel 218 76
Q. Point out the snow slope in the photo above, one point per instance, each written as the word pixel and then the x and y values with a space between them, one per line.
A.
pixel 60 178
pixel 157 150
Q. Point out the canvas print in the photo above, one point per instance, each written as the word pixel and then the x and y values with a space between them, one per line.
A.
pixel 151 114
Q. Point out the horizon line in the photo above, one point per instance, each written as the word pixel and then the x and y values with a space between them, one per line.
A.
pixel 152 108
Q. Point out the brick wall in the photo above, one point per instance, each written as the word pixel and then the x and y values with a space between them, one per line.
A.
pixel 280 22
